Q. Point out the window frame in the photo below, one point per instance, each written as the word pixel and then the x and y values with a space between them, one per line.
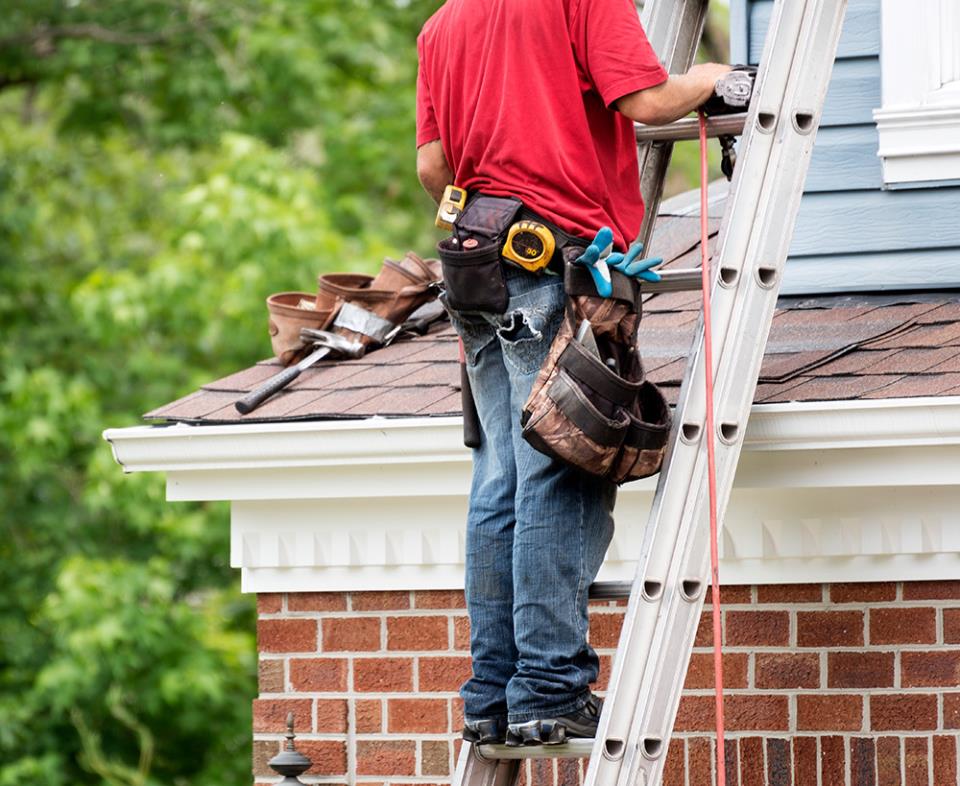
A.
pixel 919 121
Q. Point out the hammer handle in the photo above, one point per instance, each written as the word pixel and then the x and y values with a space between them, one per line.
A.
pixel 277 382
pixel 472 433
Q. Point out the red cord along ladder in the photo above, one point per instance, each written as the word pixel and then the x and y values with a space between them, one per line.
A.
pixel 673 568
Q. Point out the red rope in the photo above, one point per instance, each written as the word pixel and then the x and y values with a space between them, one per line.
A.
pixel 711 458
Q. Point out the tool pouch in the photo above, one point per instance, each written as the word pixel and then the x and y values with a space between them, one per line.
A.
pixel 597 412
pixel 371 309
pixel 472 269
pixel 289 312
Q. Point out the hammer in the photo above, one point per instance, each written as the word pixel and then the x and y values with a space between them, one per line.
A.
pixel 324 343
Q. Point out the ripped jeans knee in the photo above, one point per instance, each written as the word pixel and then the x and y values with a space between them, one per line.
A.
pixel 523 341
pixel 528 327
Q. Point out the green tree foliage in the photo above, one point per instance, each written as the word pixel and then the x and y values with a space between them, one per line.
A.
pixel 164 166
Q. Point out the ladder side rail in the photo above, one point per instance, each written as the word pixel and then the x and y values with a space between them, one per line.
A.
pixel 739 364
pixel 678 473
pixel 689 398
pixel 673 28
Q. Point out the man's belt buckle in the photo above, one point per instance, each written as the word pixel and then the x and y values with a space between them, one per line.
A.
pixel 529 244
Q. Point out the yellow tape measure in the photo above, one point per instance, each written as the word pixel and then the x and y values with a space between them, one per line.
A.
pixel 530 244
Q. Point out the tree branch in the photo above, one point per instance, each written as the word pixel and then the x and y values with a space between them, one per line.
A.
pixel 42 39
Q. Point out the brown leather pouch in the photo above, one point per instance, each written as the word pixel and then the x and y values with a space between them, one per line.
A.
pixel 289 312
pixel 371 308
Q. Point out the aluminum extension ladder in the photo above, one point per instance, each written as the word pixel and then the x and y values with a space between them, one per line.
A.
pixel 668 592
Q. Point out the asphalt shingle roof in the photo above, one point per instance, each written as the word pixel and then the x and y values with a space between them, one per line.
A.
pixel 820 349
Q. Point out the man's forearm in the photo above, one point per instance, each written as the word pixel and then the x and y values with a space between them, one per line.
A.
pixel 671 100
pixel 433 170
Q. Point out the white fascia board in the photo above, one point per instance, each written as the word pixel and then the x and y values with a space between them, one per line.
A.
pixel 820 444
pixel 827 490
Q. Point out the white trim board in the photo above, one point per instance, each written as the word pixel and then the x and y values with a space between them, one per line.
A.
pixel 825 491
pixel 919 122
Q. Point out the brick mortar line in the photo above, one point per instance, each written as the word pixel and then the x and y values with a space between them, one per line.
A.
pixel 825 690
pixel 369 654
pixel 352 730
pixel 791 608
pixel 739 735
pixel 361 654
pixel 921 690
pixel 315 694
pixel 819 757
pixel 271 736
pixel 369 780
pixel 275 736
pixel 366 613
pixel 787 649
pixel 902 753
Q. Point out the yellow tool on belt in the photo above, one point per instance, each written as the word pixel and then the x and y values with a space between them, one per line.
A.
pixel 451 206
pixel 530 244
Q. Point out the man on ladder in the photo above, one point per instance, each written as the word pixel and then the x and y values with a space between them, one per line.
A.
pixel 535 101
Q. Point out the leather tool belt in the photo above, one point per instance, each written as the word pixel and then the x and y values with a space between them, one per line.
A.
pixel 591 405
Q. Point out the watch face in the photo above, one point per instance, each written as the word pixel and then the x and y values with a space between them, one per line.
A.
pixel 527 245
pixel 456 195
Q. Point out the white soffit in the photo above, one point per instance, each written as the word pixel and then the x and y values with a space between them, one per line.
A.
pixel 825 491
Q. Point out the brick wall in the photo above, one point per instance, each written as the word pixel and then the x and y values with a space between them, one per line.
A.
pixel 827 685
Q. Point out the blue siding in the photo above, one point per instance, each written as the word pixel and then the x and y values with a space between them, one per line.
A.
pixel 860 35
pixel 851 234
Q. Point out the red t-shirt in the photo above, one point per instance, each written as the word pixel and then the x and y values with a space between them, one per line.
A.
pixel 518 92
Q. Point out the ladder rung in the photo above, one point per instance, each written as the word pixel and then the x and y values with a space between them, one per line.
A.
pixel 573 749
pixel 610 590
pixel 722 125
pixel 681 280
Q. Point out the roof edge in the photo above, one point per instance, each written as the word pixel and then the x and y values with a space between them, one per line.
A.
pixel 822 425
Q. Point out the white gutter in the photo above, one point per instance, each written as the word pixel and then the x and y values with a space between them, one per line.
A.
pixel 815 426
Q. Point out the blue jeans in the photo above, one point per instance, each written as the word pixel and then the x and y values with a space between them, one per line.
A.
pixel 537 530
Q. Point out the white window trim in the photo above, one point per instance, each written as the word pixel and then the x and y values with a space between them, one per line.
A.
pixel 919 122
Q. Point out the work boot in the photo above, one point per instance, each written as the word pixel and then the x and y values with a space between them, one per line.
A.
pixel 556 731
pixel 485 731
